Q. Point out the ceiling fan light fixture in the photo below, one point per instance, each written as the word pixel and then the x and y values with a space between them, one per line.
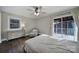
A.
pixel 36 14
pixel 37 11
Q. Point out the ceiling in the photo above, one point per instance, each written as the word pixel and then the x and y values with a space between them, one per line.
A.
pixel 24 10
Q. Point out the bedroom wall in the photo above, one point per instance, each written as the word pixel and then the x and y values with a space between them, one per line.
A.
pixel 75 13
pixel 0 27
pixel 29 24
pixel 44 25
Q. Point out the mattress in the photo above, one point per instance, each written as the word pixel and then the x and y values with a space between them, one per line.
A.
pixel 47 44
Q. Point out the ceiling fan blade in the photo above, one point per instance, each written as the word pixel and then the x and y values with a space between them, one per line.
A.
pixel 32 10
pixel 43 12
pixel 29 10
pixel 32 13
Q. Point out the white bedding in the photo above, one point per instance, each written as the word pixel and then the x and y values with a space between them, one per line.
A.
pixel 47 44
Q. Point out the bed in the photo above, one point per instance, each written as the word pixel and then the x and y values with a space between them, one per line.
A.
pixel 47 44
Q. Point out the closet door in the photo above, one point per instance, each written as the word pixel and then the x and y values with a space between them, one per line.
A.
pixel 0 27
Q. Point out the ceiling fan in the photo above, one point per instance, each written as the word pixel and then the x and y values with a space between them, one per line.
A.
pixel 37 10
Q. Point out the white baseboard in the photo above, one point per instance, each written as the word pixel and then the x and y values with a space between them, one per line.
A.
pixel 4 40
pixel 26 34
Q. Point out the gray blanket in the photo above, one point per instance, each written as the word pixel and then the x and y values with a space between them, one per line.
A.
pixel 47 44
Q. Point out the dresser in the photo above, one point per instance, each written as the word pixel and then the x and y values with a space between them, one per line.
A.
pixel 14 34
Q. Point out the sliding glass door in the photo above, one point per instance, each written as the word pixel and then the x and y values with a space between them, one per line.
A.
pixel 64 28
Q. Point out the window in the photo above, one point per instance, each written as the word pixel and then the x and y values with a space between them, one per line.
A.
pixel 64 25
pixel 14 23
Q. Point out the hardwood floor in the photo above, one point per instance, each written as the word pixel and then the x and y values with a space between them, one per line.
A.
pixel 13 46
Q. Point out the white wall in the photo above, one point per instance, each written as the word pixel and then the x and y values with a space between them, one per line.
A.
pixel 29 24
pixel 0 27
pixel 75 13
pixel 44 25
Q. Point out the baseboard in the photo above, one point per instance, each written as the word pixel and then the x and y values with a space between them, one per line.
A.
pixel 4 40
pixel 10 39
pixel 26 34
